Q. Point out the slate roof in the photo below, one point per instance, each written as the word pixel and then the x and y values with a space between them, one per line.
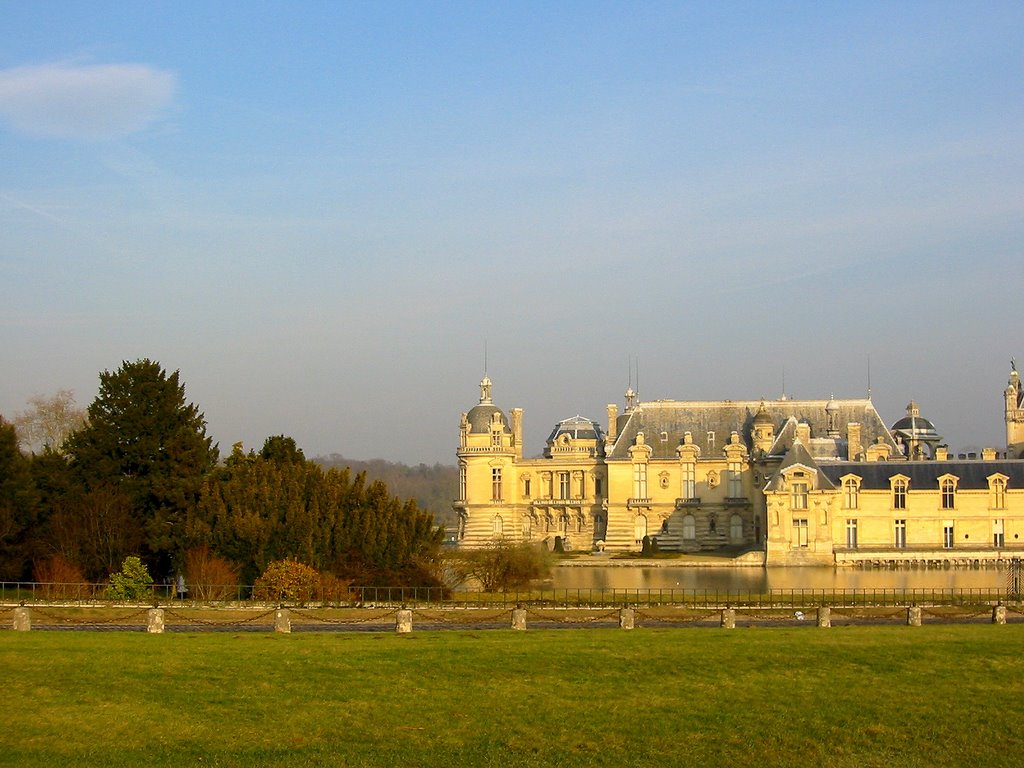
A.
pixel 578 428
pixel 972 475
pixel 674 418
pixel 798 456
pixel 479 417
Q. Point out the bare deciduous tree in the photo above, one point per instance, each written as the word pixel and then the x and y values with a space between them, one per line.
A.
pixel 49 421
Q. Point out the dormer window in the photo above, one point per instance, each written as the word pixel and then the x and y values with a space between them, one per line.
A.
pixel 851 492
pixel 948 493
pixel 899 493
pixel 997 491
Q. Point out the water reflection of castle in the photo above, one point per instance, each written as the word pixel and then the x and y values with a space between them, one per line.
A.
pixel 804 481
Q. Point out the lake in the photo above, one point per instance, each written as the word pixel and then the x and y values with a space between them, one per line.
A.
pixel 744 579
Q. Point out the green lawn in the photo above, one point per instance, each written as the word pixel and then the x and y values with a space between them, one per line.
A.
pixel 849 696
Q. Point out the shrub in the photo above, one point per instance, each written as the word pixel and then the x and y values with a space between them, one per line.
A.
pixel 334 589
pixel 287 580
pixel 502 566
pixel 132 583
pixel 59 578
pixel 209 576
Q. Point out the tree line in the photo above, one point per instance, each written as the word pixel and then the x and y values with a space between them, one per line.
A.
pixel 138 475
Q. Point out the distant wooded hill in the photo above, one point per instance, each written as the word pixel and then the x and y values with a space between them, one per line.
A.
pixel 432 487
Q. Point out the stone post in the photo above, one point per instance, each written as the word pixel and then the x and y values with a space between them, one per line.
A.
pixel 914 616
pixel 824 616
pixel 728 618
pixel 519 618
pixel 999 614
pixel 22 619
pixel 155 621
pixel 627 617
pixel 403 621
pixel 282 621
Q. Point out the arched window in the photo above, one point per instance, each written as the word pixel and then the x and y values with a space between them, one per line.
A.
pixel 851 494
pixel 640 528
pixel 499 526
pixel 998 493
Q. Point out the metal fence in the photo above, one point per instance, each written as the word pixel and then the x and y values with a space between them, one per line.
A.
pixel 13 593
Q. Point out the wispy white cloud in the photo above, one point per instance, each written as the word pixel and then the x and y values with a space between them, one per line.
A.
pixel 83 101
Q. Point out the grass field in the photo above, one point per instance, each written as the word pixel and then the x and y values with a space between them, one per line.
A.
pixel 851 696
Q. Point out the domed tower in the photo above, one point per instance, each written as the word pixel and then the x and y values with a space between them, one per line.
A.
pixel 763 430
pixel 487 454
pixel 917 434
pixel 485 424
pixel 1014 395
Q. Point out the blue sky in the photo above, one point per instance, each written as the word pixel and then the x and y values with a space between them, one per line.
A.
pixel 320 213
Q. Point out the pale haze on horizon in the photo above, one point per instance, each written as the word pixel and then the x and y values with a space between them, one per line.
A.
pixel 323 213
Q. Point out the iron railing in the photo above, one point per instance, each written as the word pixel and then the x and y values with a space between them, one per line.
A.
pixel 13 593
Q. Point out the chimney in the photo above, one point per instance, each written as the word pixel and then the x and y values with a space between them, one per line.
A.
pixel 613 416
pixel 517 431
pixel 853 446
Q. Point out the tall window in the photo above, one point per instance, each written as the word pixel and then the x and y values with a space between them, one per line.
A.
pixel 735 479
pixel 798 498
pixel 850 494
pixel 901 534
pixel 526 487
pixel 462 482
pixel 899 494
pixel 799 532
pixel 851 533
pixel 496 484
pixel 736 529
pixel 998 538
pixel 948 493
pixel 689 487
pixel 499 526
pixel 496 439
pixel 640 481
pixel 947 536
pixel 598 487
pixel 998 493
pixel 564 492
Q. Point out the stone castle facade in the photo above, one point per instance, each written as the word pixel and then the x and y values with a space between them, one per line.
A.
pixel 803 481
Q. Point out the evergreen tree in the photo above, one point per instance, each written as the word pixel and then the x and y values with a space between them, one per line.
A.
pixel 277 505
pixel 18 505
pixel 144 439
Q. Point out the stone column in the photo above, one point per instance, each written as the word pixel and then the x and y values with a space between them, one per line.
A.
pixel 824 616
pixel 999 614
pixel 728 618
pixel 519 618
pixel 282 621
pixel 403 621
pixel 155 621
pixel 22 619
pixel 627 617
pixel 914 616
